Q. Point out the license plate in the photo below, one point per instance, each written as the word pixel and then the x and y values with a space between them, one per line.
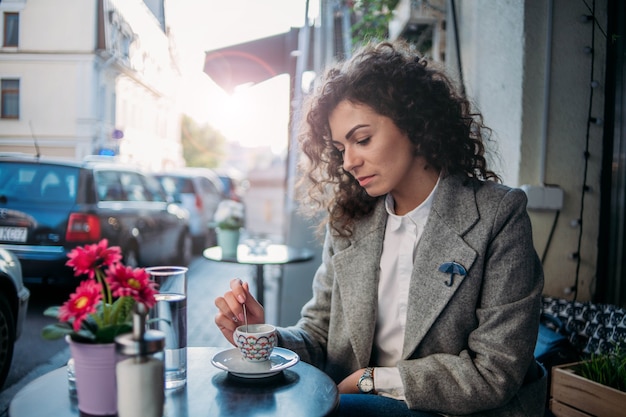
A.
pixel 13 234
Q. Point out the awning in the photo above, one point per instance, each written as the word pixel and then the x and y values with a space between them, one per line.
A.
pixel 252 62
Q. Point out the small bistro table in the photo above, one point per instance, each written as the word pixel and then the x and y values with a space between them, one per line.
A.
pixel 273 255
pixel 301 390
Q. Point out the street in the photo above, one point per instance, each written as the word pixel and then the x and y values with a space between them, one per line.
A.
pixel 206 280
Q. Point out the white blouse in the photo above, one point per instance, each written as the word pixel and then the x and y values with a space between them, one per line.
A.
pixel 396 266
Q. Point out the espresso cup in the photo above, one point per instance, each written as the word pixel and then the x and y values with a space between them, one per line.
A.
pixel 256 341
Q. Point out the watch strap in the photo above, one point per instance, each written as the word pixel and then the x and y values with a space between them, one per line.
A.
pixel 367 374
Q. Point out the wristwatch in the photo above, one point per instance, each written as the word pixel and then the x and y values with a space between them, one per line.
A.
pixel 366 382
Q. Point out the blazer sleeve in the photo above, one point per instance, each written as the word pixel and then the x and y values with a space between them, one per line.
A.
pixel 308 338
pixel 503 289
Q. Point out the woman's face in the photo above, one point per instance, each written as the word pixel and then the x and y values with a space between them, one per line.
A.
pixel 375 151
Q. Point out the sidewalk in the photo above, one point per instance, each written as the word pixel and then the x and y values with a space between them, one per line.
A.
pixel 206 281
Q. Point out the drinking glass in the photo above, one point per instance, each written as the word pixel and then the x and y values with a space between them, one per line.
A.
pixel 169 315
pixel 71 378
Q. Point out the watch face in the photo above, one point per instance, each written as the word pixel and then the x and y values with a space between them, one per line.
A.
pixel 366 384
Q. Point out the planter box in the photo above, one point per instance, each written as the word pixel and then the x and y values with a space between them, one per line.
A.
pixel 574 396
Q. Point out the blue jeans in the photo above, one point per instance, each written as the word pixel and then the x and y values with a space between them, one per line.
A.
pixel 363 405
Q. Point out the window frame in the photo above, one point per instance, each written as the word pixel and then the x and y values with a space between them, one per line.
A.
pixel 6 94
pixel 6 25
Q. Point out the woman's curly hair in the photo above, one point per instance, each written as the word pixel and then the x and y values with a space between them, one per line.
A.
pixel 422 102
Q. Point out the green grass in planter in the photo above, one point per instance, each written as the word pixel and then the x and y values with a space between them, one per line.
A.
pixel 609 369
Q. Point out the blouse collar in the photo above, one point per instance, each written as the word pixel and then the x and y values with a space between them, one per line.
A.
pixel 418 215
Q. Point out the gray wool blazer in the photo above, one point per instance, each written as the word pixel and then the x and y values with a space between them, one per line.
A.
pixel 468 347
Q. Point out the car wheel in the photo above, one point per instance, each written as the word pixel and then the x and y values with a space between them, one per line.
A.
pixel 185 251
pixel 7 338
pixel 131 256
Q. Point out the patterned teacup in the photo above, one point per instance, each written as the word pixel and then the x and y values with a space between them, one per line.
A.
pixel 256 341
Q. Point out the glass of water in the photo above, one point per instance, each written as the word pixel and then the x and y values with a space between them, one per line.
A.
pixel 169 315
pixel 71 378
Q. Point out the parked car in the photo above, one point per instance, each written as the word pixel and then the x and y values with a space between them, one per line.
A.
pixel 199 190
pixel 233 184
pixel 48 207
pixel 14 298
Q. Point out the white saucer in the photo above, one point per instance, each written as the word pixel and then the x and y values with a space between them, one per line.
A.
pixel 231 361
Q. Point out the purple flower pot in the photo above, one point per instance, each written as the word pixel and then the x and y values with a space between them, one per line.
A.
pixel 96 385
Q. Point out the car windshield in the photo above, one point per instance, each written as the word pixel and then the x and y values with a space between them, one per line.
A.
pixel 38 182
pixel 176 185
pixel 119 185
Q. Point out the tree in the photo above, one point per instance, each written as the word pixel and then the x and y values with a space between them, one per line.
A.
pixel 372 19
pixel 203 145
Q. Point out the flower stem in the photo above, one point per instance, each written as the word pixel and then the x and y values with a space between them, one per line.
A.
pixel 107 298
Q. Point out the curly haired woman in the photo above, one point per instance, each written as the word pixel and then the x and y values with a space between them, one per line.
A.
pixel 427 299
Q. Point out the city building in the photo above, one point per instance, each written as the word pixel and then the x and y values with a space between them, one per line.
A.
pixel 83 77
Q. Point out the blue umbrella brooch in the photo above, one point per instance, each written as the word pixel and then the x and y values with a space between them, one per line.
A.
pixel 453 269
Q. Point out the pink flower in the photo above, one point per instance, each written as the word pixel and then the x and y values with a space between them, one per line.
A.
pixel 86 260
pixel 81 303
pixel 128 282
pixel 106 296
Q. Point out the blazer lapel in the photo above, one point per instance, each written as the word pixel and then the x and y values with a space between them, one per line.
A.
pixel 454 212
pixel 357 270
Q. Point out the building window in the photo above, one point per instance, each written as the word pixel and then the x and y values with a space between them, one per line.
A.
pixel 10 101
pixel 11 29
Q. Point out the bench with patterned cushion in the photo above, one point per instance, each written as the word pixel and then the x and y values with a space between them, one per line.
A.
pixel 592 328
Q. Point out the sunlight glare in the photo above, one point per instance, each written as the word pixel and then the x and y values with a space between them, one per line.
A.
pixel 254 115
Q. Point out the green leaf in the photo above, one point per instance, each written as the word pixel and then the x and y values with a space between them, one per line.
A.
pixel 84 336
pixel 52 312
pixel 122 310
pixel 56 331
pixel 108 333
pixel 90 324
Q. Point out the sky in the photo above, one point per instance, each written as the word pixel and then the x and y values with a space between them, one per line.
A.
pixel 253 115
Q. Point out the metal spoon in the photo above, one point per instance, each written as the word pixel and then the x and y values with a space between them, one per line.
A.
pixel 245 317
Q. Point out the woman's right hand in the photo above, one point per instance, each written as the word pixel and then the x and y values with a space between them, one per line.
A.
pixel 230 309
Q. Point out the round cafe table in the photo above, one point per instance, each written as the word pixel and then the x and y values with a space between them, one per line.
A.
pixel 272 255
pixel 301 390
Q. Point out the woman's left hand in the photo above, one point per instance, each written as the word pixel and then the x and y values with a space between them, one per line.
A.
pixel 348 385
